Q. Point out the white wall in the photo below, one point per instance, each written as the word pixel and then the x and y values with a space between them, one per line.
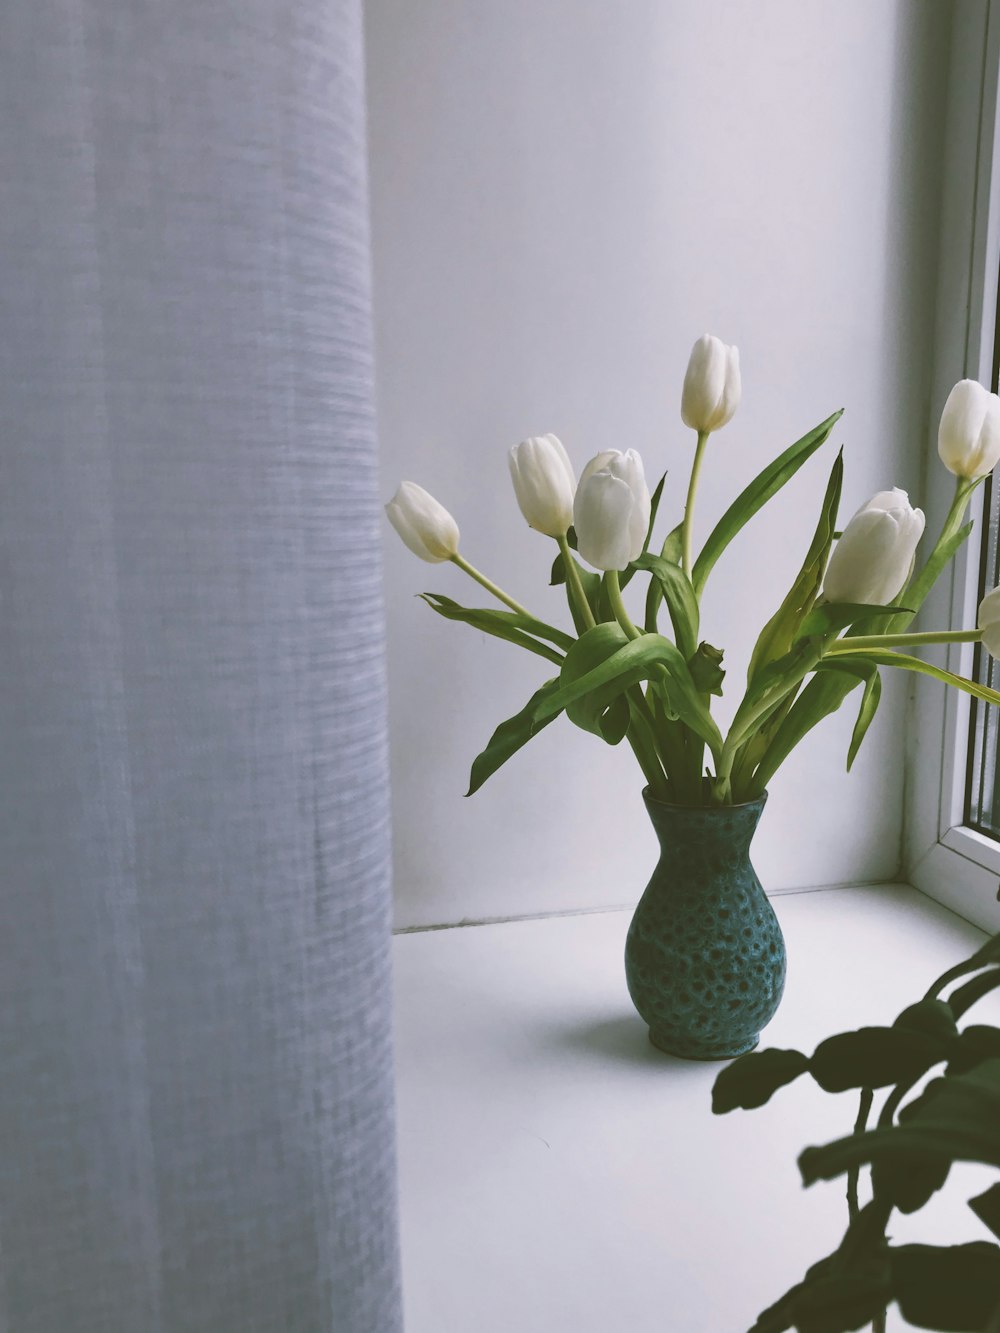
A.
pixel 565 194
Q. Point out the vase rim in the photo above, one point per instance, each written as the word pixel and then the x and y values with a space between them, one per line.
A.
pixel 672 805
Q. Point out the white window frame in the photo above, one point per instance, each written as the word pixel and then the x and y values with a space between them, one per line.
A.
pixel 948 861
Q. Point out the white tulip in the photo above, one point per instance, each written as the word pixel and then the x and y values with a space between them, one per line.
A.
pixel 989 622
pixel 611 510
pixel 712 385
pixel 424 525
pixel 969 434
pixel 543 483
pixel 873 559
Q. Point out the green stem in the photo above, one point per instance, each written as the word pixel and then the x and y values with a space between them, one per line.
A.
pixel 866 641
pixel 489 585
pixel 641 736
pixel 686 532
pixel 614 587
pixel 574 584
pixel 916 593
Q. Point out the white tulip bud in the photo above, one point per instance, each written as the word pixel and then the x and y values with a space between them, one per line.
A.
pixel 989 622
pixel 543 483
pixel 712 385
pixel 424 525
pixel 969 434
pixel 873 559
pixel 611 510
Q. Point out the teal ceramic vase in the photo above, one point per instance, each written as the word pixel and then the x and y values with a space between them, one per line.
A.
pixel 705 957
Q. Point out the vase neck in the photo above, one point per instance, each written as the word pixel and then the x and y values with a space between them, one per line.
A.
pixel 680 826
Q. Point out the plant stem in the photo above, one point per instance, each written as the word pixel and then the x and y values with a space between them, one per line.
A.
pixel 865 641
pixel 574 584
pixel 641 736
pixel 614 587
pixel 853 1175
pixel 916 593
pixel 686 533
pixel 489 585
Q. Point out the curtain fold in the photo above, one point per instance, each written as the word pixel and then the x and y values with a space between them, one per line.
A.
pixel 196 1115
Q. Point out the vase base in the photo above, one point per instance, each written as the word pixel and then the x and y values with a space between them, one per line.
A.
pixel 685 1049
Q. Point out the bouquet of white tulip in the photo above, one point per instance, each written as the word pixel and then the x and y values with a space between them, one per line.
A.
pixel 844 618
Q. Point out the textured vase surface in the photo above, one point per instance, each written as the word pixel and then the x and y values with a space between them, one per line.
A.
pixel 705 957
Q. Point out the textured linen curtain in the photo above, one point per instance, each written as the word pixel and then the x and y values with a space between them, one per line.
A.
pixel 195 1062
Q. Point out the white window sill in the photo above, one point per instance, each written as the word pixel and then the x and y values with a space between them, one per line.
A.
pixel 559 1175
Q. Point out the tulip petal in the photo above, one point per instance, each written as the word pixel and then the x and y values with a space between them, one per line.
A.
pixel 601 516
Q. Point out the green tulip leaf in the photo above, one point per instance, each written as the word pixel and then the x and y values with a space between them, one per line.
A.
pixel 512 735
pixel 670 584
pixel 607 714
pixel 866 673
pixel 820 697
pixel 706 669
pixel 650 657
pixel 673 546
pixel 832 617
pixel 890 658
pixel 778 635
pixel 654 508
pixel 986 1207
pixel 525 631
pixel 615 720
pixel 756 495
pixel 950 1288
pixel 753 1079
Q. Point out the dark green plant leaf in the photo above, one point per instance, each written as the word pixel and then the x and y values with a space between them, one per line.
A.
pixel 874 1058
pixel 525 631
pixel 511 735
pixel 964 997
pixel 957 1118
pixel 907 1181
pixel 752 1079
pixel 670 583
pixel 706 669
pixel 592 585
pixel 866 673
pixel 779 633
pixel 844 1291
pixel 932 1017
pixel 988 954
pixel 831 1302
pixel 951 1289
pixel 977 1043
pixel 765 485
pixel 986 1206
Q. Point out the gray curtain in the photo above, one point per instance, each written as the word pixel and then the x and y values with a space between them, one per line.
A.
pixel 195 1063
